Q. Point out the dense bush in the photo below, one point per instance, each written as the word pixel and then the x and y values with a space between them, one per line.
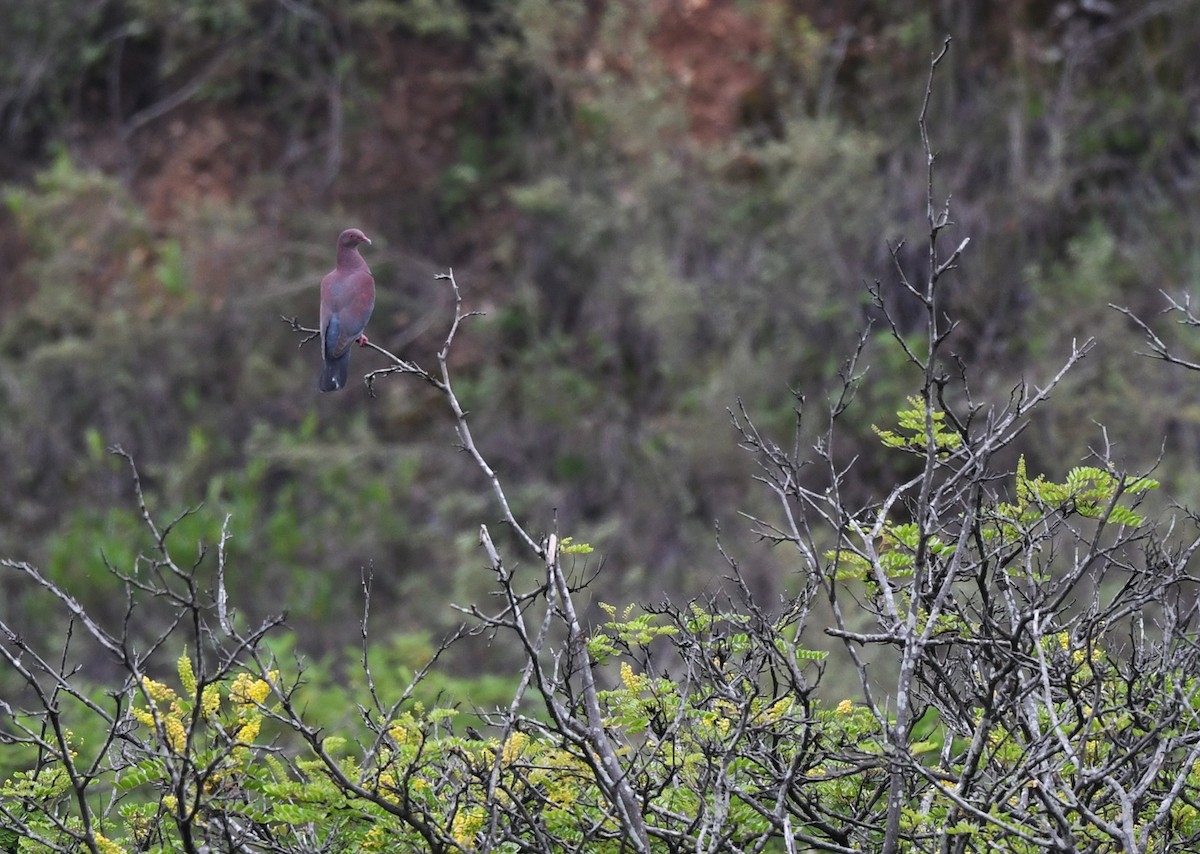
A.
pixel 650 237
pixel 1020 644
pixel 1044 694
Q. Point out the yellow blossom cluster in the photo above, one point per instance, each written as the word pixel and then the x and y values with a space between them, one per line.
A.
pixel 173 727
pixel 562 773
pixel 630 680
pixel 187 676
pixel 106 846
pixel 376 840
pixel 388 788
pixel 210 700
pixel 776 711
pixel 247 690
pixel 169 712
pixel 248 731
pixel 157 691
pixel 172 721
pixel 405 730
pixel 513 748
pixel 465 825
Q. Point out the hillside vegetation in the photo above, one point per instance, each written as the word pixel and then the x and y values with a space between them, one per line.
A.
pixel 660 208
pixel 764 454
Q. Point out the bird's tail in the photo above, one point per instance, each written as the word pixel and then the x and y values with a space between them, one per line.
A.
pixel 334 372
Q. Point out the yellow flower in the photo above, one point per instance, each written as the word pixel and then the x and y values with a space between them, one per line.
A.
pixel 143 716
pixel 845 707
pixel 627 677
pixel 210 703
pixel 176 734
pixel 375 840
pixel 387 789
pixel 187 677
pixel 404 730
pixel 248 731
pixel 513 747
pixel 249 691
pixel 107 846
pixel 465 825
pixel 157 691
pixel 172 725
pixel 778 709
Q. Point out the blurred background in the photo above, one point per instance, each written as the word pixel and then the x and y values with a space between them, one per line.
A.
pixel 661 205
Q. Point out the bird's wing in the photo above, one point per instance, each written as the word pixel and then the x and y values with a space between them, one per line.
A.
pixel 351 299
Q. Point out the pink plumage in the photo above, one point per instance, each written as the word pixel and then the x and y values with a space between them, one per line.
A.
pixel 347 300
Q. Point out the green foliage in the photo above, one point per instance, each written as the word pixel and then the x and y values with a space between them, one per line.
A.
pixel 653 279
pixel 567 546
pixel 1087 492
pixel 639 279
pixel 44 48
pixel 106 239
pixel 429 785
pixel 1091 492
pixel 713 713
pixel 616 633
pixel 442 18
pixel 918 436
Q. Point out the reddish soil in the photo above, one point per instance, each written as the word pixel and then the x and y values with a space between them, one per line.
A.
pixel 708 47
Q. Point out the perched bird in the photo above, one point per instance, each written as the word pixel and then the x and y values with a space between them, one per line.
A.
pixel 347 299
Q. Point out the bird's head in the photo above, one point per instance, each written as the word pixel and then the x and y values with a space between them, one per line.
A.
pixel 351 237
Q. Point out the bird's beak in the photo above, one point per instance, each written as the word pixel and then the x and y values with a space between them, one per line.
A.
pixel 366 240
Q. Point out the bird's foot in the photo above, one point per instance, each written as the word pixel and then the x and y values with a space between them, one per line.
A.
pixel 362 340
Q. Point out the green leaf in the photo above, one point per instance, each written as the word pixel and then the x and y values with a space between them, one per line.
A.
pixel 9 840
pixel 299 814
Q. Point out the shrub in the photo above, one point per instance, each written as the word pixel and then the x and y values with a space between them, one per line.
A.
pixel 1020 642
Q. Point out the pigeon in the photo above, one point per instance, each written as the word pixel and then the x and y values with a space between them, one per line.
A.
pixel 347 299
